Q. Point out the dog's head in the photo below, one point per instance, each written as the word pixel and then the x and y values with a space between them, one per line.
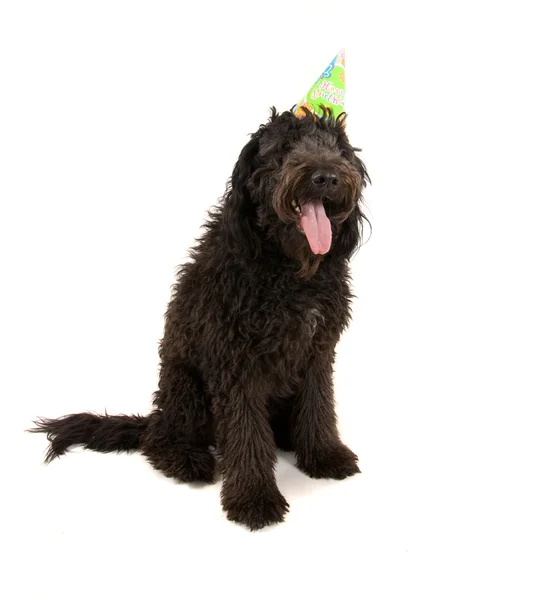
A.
pixel 297 185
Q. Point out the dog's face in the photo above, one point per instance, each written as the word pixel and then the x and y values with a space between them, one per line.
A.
pixel 300 183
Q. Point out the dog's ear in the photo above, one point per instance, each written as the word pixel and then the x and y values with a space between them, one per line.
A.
pixel 239 211
pixel 350 234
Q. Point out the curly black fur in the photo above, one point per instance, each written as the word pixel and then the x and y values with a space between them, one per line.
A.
pixel 251 330
pixel 95 432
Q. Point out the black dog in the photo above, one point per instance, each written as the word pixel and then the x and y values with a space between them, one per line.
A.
pixel 251 330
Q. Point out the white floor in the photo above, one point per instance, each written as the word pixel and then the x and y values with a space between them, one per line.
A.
pixel 105 183
pixel 439 511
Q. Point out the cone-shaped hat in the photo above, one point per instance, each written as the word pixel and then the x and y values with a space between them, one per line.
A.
pixel 328 90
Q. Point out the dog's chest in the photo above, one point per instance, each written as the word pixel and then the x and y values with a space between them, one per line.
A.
pixel 300 326
pixel 296 323
pixel 312 318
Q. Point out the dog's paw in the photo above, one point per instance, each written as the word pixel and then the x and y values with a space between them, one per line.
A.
pixel 255 508
pixel 197 467
pixel 334 463
pixel 185 465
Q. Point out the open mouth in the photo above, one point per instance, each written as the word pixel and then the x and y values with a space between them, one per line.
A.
pixel 315 224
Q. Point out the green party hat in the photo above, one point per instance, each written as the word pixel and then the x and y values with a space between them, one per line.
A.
pixel 328 90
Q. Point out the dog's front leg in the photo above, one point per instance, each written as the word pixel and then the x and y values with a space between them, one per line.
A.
pixel 320 452
pixel 249 492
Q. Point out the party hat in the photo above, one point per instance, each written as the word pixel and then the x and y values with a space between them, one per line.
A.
pixel 328 90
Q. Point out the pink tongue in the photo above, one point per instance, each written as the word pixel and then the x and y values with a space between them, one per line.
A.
pixel 316 226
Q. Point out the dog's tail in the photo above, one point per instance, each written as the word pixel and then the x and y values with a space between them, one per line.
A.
pixel 102 433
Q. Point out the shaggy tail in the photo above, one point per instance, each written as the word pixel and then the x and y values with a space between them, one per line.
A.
pixel 95 432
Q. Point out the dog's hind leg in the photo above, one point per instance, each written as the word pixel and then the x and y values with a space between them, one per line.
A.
pixel 179 431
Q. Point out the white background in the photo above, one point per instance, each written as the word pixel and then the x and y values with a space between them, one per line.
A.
pixel 120 123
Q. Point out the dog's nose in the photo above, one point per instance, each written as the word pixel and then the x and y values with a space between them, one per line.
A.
pixel 323 178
